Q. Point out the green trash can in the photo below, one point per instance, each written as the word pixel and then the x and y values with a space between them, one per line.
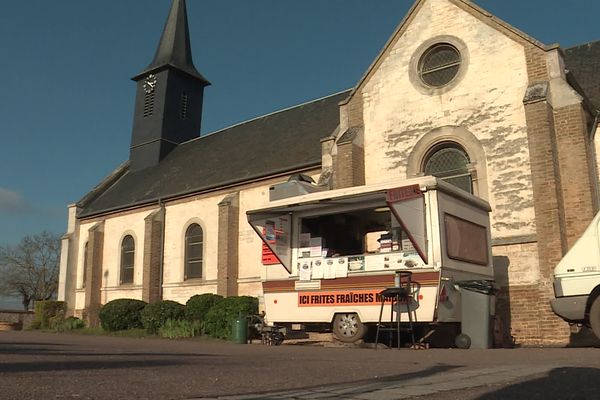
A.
pixel 239 330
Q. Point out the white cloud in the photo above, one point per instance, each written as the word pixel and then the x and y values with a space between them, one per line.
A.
pixel 12 203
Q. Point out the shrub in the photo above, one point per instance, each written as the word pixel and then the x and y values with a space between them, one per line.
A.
pixel 197 306
pixel 175 329
pixel 156 315
pixel 33 325
pixel 121 314
pixel 66 324
pixel 219 318
pixel 44 310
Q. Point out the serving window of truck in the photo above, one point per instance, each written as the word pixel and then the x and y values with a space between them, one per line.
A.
pixel 306 238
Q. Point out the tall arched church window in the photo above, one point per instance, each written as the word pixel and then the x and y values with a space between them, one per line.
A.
pixel 127 259
pixel 194 243
pixel 450 162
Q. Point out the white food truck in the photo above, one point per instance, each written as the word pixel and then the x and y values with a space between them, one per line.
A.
pixel 336 250
pixel 577 281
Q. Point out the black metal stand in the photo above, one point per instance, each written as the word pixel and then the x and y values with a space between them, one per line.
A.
pixel 397 296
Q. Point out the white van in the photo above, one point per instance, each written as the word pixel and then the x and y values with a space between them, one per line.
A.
pixel 577 281
pixel 334 251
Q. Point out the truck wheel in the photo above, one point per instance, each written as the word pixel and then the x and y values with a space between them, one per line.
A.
pixel 347 328
pixel 595 317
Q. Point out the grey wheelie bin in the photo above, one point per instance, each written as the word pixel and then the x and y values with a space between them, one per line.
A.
pixel 478 310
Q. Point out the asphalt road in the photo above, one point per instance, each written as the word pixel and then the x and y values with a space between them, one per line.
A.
pixel 36 365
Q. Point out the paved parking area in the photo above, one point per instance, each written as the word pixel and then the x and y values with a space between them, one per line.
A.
pixel 36 365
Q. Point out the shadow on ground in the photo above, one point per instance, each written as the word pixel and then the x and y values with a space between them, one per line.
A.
pixel 561 384
pixel 51 349
pixel 36 366
pixel 344 390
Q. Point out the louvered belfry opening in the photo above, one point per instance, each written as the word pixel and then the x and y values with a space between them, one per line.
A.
pixel 149 104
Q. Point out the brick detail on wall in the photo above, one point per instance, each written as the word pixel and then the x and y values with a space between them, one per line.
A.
pixel 531 320
pixel 517 302
pixel 153 253
pixel 228 253
pixel 358 165
pixel 93 282
pixel 546 180
pixel 537 68
pixel 524 311
pixel 354 110
pixel 349 166
pixel 576 170
pixel 549 219
pixel 550 226
pixel 504 335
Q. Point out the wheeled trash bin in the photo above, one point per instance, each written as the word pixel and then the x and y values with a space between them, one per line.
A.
pixel 477 314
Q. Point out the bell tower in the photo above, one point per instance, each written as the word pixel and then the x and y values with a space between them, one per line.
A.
pixel 170 91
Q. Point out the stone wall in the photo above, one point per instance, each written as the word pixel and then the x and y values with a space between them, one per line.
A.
pixel 21 317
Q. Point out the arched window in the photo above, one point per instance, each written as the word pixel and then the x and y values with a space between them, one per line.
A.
pixel 450 162
pixel 127 259
pixel 194 243
pixel 85 262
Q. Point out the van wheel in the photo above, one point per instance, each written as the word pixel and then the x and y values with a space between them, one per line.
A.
pixel 347 328
pixel 595 317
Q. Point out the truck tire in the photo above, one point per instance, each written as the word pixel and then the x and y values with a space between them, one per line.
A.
pixel 595 317
pixel 347 327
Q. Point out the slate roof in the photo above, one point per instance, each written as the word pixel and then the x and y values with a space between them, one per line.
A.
pixel 276 143
pixel 583 62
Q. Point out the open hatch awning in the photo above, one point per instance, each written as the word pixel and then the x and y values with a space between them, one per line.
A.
pixel 318 205
pixel 274 224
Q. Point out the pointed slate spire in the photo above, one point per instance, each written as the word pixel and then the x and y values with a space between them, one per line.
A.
pixel 169 96
pixel 174 49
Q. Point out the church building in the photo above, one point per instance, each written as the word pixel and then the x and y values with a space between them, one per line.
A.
pixel 455 92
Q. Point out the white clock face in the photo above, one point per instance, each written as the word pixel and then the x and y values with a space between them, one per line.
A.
pixel 150 83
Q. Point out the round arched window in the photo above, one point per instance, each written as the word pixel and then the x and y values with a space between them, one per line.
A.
pixel 194 243
pixel 127 259
pixel 439 65
pixel 450 162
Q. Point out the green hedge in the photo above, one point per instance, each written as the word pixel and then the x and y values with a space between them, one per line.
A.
pixel 61 324
pixel 179 329
pixel 198 306
pixel 45 310
pixel 156 315
pixel 122 314
pixel 219 318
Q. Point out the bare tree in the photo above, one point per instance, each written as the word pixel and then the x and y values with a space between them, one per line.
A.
pixel 30 268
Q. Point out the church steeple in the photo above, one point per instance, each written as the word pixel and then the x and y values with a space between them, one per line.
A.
pixel 174 48
pixel 170 91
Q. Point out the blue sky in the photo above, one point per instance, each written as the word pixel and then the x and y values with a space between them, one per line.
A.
pixel 66 98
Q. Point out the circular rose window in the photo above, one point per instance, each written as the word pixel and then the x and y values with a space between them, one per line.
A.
pixel 439 65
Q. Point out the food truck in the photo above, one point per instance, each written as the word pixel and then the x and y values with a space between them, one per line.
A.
pixel 334 251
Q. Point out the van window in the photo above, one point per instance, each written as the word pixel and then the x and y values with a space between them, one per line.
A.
pixel 466 241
